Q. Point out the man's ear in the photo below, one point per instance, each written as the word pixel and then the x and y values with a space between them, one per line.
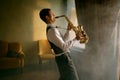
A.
pixel 47 18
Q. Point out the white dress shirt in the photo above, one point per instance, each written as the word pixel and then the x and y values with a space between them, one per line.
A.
pixel 59 40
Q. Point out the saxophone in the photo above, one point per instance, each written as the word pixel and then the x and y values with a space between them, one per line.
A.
pixel 78 30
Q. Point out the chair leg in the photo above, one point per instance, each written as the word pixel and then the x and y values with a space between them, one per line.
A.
pixel 40 60
pixel 21 70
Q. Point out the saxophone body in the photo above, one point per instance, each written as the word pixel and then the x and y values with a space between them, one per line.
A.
pixel 78 30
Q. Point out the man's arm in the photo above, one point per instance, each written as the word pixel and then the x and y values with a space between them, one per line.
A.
pixel 55 37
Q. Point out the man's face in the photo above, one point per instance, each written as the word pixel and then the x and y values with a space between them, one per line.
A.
pixel 51 17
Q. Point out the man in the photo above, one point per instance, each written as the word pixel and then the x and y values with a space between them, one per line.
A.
pixel 60 45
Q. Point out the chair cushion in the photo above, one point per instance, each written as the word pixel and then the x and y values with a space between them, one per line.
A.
pixel 12 54
pixel 3 48
pixel 6 63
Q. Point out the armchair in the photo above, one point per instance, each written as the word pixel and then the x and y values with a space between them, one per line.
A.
pixel 11 55
pixel 45 53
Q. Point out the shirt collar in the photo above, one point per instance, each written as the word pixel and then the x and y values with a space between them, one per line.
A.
pixel 52 25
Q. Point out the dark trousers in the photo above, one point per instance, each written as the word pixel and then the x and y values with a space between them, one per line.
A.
pixel 66 67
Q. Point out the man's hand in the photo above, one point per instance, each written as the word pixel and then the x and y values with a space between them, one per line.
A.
pixel 79 36
pixel 69 27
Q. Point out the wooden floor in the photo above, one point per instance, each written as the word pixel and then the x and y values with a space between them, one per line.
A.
pixel 46 71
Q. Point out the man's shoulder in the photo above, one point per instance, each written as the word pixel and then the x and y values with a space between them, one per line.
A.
pixel 51 29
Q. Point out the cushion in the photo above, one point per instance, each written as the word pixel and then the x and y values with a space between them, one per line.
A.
pixel 6 63
pixel 12 54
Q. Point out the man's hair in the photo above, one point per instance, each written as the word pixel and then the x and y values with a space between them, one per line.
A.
pixel 43 13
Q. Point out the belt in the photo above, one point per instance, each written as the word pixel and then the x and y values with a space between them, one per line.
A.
pixel 61 54
pixel 69 58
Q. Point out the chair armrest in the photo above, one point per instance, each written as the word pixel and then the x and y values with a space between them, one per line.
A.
pixel 21 55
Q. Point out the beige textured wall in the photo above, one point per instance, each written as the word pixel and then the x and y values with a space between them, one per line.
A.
pixel 19 21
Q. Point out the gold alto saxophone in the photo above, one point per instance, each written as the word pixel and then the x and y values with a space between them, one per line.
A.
pixel 79 29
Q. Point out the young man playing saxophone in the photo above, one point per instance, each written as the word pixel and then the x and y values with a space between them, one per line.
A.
pixel 60 45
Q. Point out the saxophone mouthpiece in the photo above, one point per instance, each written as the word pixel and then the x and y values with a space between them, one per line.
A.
pixel 59 16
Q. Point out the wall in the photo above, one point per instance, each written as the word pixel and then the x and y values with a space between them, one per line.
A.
pixel 20 22
pixel 99 60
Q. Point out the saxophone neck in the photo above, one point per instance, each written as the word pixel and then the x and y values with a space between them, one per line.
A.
pixel 68 19
pixel 59 16
pixel 64 17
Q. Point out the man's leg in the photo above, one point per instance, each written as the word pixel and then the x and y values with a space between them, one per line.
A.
pixel 66 68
